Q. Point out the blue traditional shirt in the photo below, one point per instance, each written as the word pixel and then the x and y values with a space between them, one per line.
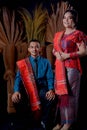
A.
pixel 45 77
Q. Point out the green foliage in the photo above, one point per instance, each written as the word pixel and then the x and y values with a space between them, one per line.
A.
pixel 35 25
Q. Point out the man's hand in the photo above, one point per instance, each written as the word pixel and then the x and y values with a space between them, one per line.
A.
pixel 50 95
pixel 16 97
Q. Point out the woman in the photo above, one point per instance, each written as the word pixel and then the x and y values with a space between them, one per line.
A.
pixel 69 46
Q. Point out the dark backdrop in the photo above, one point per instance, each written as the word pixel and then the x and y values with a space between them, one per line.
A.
pixel 81 7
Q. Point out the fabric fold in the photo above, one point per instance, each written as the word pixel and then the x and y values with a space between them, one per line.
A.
pixel 60 76
pixel 27 76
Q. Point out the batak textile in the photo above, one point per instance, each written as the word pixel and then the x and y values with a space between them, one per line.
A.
pixel 69 114
pixel 60 77
pixel 29 82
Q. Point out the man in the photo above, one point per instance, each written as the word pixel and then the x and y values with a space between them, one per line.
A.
pixel 37 76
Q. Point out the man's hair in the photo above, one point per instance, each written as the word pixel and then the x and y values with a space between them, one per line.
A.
pixel 34 40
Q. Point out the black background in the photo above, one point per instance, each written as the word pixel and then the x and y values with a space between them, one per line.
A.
pixel 81 7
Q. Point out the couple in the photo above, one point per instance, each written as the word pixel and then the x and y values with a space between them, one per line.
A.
pixel 69 46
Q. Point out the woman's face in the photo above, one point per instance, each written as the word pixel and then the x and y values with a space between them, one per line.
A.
pixel 68 21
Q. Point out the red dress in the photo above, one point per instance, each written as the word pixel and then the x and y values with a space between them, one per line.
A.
pixel 68 44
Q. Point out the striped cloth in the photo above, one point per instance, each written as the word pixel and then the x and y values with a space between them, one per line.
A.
pixel 60 77
pixel 26 72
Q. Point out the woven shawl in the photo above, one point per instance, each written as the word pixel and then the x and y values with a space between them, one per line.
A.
pixel 60 77
pixel 26 72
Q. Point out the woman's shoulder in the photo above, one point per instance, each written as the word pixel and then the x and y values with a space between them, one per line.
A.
pixel 78 36
pixel 79 32
pixel 58 35
pixel 59 32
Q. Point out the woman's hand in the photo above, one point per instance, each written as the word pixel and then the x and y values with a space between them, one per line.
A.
pixel 58 56
pixel 81 49
pixel 64 55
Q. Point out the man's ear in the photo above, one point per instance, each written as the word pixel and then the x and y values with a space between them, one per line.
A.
pixel 28 49
pixel 43 51
pixel 40 49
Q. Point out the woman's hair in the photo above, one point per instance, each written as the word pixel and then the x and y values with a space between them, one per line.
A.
pixel 74 15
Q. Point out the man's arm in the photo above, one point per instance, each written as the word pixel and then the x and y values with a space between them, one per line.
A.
pixel 16 95
pixel 17 82
pixel 50 77
pixel 50 95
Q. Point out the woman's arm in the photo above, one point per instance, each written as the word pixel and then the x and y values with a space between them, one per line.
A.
pixel 81 52
pixel 57 54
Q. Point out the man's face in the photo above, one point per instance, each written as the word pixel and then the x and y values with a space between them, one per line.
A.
pixel 34 48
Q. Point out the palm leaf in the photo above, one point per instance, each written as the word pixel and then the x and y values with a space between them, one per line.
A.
pixel 3 34
pixel 35 25
pixel 55 20
pixel 40 21
pixel 7 21
pixel 27 18
pixel 12 27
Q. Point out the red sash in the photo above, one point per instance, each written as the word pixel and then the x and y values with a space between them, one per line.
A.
pixel 26 72
pixel 60 77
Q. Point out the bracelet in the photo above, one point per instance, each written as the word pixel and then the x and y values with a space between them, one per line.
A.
pixel 74 55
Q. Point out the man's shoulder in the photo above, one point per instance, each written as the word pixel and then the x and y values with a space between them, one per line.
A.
pixel 22 60
pixel 44 59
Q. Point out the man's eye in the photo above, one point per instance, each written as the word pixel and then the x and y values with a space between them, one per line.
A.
pixel 70 18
